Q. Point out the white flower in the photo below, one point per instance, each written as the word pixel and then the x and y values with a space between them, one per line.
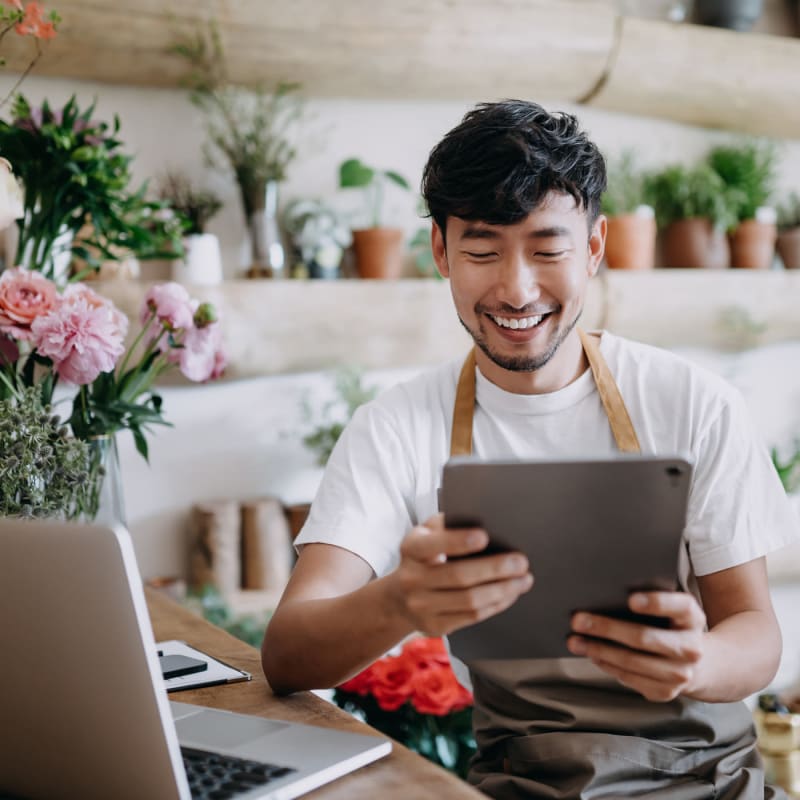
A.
pixel 328 256
pixel 11 203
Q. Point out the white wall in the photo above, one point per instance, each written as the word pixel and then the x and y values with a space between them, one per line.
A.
pixel 163 130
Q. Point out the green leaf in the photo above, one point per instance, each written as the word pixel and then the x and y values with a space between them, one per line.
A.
pixel 141 442
pixel 353 173
pixel 397 178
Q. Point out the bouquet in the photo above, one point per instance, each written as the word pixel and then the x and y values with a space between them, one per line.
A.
pixel 414 697
pixel 77 337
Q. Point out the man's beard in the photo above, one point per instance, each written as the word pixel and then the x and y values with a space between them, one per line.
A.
pixel 521 363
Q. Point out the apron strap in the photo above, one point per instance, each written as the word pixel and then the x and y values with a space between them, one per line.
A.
pixel 618 417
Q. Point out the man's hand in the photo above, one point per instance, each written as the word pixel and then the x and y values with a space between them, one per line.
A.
pixel 438 593
pixel 659 663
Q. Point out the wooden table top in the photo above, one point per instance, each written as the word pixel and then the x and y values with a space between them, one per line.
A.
pixel 400 776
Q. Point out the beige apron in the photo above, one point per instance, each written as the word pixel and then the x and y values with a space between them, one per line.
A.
pixel 561 728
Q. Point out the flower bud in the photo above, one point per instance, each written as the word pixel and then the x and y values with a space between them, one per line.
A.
pixel 205 315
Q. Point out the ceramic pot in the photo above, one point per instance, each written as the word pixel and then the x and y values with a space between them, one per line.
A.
pixel 695 242
pixel 788 246
pixel 202 264
pixel 631 242
pixel 753 245
pixel 379 252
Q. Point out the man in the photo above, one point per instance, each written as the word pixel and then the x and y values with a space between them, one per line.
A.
pixel 514 194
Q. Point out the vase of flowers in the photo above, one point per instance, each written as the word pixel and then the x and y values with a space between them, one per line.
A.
pixel 76 196
pixel 414 697
pixel 319 237
pixel 61 345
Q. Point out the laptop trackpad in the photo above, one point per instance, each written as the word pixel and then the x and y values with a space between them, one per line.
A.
pixel 219 730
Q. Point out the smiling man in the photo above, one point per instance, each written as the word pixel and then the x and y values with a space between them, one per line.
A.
pixel 514 195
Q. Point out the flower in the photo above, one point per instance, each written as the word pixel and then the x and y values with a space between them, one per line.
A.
pixel 78 337
pixel 11 206
pixel 415 698
pixel 33 22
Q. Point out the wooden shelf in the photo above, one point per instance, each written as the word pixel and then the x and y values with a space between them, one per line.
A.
pixel 561 50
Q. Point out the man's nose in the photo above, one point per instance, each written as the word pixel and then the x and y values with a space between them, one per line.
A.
pixel 518 282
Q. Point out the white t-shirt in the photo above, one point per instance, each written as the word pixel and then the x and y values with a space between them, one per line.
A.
pixel 383 475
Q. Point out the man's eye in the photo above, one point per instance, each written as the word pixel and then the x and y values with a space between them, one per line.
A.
pixel 551 254
pixel 479 255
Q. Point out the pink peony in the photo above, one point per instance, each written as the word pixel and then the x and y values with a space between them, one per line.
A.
pixel 82 339
pixel 80 291
pixel 172 305
pixel 201 358
pixel 24 296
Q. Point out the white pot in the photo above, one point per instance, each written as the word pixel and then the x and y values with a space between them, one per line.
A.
pixel 202 265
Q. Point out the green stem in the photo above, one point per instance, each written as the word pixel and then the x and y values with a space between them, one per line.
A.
pixel 136 342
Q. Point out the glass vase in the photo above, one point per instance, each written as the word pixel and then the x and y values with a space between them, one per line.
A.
pixel 266 245
pixel 106 504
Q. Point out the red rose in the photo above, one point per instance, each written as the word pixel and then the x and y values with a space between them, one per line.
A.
pixel 436 691
pixel 426 652
pixel 359 684
pixel 392 682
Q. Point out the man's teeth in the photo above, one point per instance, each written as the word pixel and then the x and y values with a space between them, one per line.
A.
pixel 514 323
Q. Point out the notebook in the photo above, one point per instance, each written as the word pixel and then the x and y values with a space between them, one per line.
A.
pixel 83 703
pixel 215 672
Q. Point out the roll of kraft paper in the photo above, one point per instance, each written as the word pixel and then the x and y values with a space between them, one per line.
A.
pixel 215 556
pixel 266 545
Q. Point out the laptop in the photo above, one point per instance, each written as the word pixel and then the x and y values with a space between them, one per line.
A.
pixel 83 705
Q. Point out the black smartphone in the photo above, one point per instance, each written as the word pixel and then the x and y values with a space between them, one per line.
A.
pixel 175 666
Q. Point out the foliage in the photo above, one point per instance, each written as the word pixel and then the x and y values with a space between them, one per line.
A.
pixel 789 212
pixel 788 471
pixel 249 128
pixel 74 174
pixel 414 697
pixel 627 188
pixel 318 232
pixel 211 605
pixel 43 470
pixel 198 206
pixel 351 394
pixel 422 255
pixel 748 170
pixel 679 193
pixel 354 174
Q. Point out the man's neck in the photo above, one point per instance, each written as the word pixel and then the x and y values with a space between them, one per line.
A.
pixel 566 366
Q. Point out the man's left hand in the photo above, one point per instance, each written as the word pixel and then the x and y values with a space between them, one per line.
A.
pixel 659 663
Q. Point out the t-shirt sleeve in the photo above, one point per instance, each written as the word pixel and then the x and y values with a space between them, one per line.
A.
pixel 361 504
pixel 738 509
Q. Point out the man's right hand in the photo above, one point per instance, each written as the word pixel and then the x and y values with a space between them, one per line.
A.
pixel 438 593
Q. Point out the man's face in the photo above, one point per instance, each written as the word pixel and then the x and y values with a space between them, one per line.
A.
pixel 519 289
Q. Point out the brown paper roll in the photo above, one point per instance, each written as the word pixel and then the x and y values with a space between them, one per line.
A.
pixel 215 549
pixel 266 545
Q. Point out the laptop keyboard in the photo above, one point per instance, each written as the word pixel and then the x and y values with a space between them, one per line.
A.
pixel 213 776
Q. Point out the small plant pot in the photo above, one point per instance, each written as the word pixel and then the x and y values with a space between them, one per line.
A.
pixel 202 264
pixel 788 246
pixel 631 242
pixel 753 245
pixel 737 15
pixel 695 243
pixel 379 252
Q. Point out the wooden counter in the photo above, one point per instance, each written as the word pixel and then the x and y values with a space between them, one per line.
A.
pixel 399 776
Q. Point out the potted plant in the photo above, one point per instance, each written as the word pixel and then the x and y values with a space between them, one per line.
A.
pixel 694 208
pixel 788 243
pixel 319 236
pixel 631 238
pixel 202 263
pixel 748 170
pixel 379 250
pixel 250 129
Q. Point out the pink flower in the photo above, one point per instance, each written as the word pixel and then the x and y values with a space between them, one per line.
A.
pixel 80 291
pixel 82 339
pixel 201 358
pixel 172 305
pixel 24 296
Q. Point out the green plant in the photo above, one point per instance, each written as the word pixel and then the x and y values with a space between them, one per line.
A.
pixel 351 393
pixel 355 174
pixel 627 188
pixel 789 212
pixel 211 605
pixel 422 255
pixel 44 471
pixel 198 206
pixel 249 128
pixel 788 471
pixel 74 177
pixel 319 233
pixel 748 169
pixel 680 193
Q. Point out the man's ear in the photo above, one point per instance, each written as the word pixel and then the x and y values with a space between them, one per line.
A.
pixel 439 250
pixel 597 244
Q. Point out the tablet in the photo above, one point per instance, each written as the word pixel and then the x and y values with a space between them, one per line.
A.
pixel 593 530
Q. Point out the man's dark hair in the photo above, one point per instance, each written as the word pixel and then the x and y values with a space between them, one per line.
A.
pixel 501 161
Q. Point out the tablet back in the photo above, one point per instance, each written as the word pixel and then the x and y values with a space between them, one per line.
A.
pixel 593 530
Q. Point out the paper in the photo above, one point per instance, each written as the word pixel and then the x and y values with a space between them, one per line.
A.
pixel 217 672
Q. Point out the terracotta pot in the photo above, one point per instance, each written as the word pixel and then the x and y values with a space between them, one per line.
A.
pixel 695 242
pixel 789 248
pixel 753 245
pixel 631 242
pixel 379 252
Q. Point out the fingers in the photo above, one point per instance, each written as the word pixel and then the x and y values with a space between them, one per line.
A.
pixel 432 542
pixel 680 607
